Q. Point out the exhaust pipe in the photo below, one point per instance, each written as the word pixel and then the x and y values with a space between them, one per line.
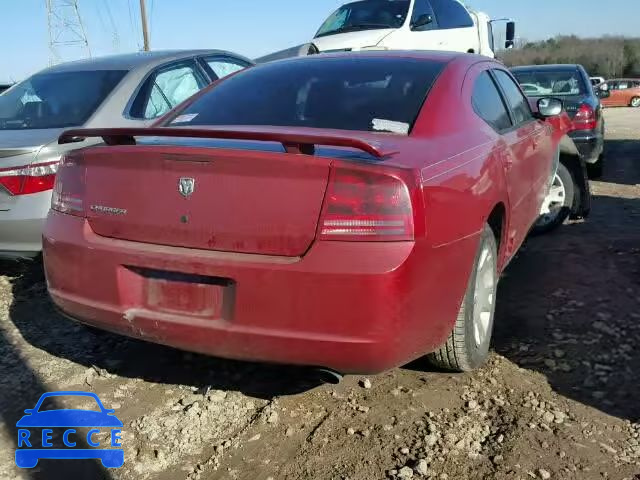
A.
pixel 326 375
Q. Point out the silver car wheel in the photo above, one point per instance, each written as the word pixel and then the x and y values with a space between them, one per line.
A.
pixel 484 296
pixel 556 198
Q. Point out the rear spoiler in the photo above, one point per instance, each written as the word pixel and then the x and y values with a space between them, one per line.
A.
pixel 296 142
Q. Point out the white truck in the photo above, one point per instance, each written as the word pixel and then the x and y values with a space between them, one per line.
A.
pixel 404 25
pixel 408 25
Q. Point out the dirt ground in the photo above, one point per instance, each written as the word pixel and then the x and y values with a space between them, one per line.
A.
pixel 558 400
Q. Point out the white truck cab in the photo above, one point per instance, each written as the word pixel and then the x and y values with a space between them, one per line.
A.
pixel 408 25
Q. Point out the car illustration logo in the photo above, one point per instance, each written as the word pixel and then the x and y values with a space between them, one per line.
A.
pixel 62 434
pixel 186 186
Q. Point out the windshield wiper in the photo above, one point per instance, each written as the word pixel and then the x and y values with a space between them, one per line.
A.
pixel 354 28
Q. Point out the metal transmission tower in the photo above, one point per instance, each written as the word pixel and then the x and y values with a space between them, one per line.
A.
pixel 66 30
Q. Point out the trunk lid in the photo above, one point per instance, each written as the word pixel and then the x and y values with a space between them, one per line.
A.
pixel 26 139
pixel 246 201
pixel 572 104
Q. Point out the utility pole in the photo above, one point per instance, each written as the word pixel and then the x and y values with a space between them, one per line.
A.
pixel 145 30
pixel 65 28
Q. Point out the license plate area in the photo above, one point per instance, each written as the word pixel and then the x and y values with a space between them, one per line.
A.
pixel 184 294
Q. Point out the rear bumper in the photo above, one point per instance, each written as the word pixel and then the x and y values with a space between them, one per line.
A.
pixel 354 307
pixel 21 224
pixel 589 143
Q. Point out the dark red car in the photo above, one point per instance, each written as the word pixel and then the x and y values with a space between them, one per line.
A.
pixel 349 211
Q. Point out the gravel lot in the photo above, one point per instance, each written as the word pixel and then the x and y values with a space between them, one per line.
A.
pixel 558 400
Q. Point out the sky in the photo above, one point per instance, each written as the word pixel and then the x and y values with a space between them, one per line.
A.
pixel 257 27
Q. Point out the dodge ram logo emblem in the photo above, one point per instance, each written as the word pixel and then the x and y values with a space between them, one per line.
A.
pixel 186 186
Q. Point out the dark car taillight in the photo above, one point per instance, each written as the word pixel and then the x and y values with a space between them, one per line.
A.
pixel 29 179
pixel 69 188
pixel 585 118
pixel 366 206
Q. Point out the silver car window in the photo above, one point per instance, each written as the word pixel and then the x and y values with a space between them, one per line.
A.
pixel 223 67
pixel 157 103
pixel 56 99
pixel 170 88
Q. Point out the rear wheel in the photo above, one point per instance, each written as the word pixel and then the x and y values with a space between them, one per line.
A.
pixel 635 102
pixel 560 200
pixel 468 345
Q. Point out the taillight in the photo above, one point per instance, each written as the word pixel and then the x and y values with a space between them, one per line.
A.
pixel 585 118
pixel 68 191
pixel 29 178
pixel 368 206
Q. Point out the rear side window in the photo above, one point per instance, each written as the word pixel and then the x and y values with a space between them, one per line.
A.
pixel 223 66
pixel 517 101
pixel 451 14
pixel 488 103
pixel 166 88
pixel 367 94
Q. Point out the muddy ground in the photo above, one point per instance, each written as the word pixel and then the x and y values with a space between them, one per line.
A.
pixel 559 399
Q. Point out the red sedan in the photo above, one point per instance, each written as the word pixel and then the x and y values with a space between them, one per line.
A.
pixel 349 211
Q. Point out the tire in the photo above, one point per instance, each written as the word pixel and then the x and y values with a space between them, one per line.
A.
pixel 595 170
pixel 635 102
pixel 563 189
pixel 467 348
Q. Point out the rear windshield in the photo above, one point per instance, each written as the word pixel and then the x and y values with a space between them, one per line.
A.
pixel 56 100
pixel 365 15
pixel 366 94
pixel 556 83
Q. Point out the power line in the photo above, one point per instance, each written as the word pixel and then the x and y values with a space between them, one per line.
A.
pixel 133 25
pixel 65 28
pixel 151 17
pixel 114 28
pixel 100 17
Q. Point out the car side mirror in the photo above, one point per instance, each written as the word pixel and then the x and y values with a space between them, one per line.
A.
pixel 602 91
pixel 422 21
pixel 549 107
pixel 29 411
pixel 510 36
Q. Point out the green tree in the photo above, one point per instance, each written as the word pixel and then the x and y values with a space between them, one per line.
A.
pixel 605 56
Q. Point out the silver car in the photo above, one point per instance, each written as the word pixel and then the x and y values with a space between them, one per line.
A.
pixel 117 91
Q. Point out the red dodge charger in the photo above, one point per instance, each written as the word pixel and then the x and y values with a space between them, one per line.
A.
pixel 348 211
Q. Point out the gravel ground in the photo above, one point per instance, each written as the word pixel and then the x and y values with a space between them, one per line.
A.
pixel 558 399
